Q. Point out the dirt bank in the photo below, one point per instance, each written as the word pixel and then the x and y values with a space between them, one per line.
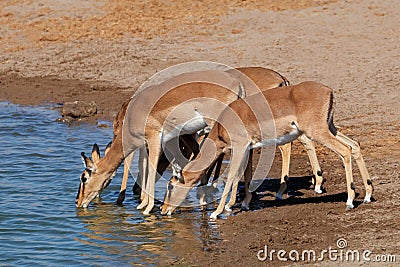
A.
pixel 103 51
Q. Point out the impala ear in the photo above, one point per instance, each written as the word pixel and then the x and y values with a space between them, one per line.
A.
pixel 87 162
pixel 108 148
pixel 95 153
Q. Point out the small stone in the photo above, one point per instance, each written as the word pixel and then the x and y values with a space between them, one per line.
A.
pixel 79 109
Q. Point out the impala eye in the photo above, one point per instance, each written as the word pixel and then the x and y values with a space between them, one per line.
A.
pixel 83 178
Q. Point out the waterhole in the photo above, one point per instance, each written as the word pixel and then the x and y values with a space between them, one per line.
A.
pixel 40 166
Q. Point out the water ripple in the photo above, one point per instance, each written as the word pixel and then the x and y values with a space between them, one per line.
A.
pixel 39 224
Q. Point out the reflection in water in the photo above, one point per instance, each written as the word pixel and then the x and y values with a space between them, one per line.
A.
pixel 122 233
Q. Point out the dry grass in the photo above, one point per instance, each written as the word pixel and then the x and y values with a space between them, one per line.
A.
pixel 28 23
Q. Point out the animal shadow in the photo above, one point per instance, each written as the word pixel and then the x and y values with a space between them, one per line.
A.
pixel 264 196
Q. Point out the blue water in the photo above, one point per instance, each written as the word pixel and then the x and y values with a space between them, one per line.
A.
pixel 40 166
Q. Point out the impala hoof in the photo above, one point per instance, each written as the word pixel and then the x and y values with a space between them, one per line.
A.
pixel 141 206
pixel 228 208
pixel 213 216
pixel 244 207
pixel 318 190
pixel 367 198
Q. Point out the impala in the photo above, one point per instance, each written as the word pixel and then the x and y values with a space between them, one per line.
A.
pixel 99 172
pixel 303 109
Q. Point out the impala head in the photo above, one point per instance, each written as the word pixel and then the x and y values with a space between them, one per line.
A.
pixel 177 190
pixel 92 181
pixel 175 194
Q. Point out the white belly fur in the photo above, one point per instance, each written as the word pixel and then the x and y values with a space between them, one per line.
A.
pixel 190 127
pixel 281 140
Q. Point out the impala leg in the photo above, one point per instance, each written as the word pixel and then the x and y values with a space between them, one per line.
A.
pixel 225 193
pixel 349 180
pixel 142 178
pixel 217 165
pixel 143 170
pixel 247 179
pixel 158 158
pixel 139 182
pixel 203 191
pixel 285 151
pixel 163 163
pixel 190 146
pixel 217 171
pixel 232 199
pixel 312 155
pixel 356 153
pixel 235 172
pixel 336 144
pixel 127 163
pixel 192 149
pixel 154 156
pixel 204 179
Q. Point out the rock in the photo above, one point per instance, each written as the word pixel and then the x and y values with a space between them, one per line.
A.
pixel 64 120
pixel 79 109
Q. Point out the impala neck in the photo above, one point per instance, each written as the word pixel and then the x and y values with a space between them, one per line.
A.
pixel 112 160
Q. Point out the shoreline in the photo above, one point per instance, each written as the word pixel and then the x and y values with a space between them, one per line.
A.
pixel 34 91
